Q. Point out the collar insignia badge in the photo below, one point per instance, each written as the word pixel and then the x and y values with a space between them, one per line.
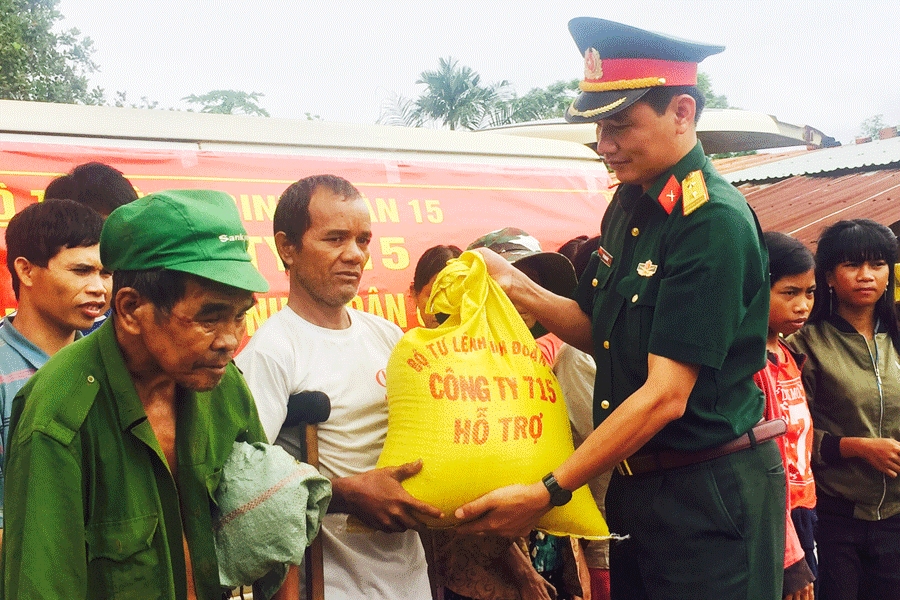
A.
pixel 646 269
pixel 670 194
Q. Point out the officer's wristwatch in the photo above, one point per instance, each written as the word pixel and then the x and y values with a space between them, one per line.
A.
pixel 558 496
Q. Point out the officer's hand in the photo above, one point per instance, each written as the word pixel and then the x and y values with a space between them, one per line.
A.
pixel 500 269
pixel 377 499
pixel 881 453
pixel 511 511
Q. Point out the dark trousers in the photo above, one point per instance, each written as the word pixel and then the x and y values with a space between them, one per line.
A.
pixel 805 520
pixel 858 559
pixel 711 530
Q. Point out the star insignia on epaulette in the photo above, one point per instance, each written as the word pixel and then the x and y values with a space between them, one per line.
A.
pixel 694 189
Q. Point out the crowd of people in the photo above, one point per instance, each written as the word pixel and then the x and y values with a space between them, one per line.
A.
pixel 735 398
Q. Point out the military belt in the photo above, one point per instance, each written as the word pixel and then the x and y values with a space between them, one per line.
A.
pixel 662 460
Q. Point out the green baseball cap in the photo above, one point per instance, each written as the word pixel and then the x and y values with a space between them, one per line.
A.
pixel 193 231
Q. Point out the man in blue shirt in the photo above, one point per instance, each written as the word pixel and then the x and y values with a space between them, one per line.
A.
pixel 53 256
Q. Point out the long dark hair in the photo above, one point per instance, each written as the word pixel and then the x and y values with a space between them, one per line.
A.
pixel 431 263
pixel 856 240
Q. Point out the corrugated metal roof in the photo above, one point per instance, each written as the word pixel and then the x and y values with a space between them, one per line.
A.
pixel 740 163
pixel 826 160
pixel 803 205
pixel 746 161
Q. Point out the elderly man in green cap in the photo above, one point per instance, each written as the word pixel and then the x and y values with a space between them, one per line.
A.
pixel 118 441
pixel 674 308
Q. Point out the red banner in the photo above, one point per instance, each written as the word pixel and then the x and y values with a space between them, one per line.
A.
pixel 413 205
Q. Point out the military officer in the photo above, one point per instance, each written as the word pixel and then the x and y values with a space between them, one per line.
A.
pixel 674 308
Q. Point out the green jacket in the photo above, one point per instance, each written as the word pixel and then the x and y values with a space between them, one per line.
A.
pixel 92 510
pixel 848 397
pixel 689 287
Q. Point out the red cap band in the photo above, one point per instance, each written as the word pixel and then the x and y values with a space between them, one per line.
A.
pixel 634 73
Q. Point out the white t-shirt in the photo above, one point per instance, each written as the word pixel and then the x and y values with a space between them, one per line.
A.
pixel 575 372
pixel 288 355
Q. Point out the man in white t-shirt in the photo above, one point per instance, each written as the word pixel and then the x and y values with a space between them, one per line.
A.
pixel 317 343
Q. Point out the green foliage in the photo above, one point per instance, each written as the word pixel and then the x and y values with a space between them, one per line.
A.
pixel 122 101
pixel 401 112
pixel 228 102
pixel 872 126
pixel 39 64
pixel 712 100
pixel 453 97
pixel 538 104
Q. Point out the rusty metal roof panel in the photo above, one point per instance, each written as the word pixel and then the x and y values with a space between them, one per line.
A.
pixel 740 163
pixel 802 206
pixel 857 156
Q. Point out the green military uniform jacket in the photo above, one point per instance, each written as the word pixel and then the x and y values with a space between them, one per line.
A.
pixel 92 510
pixel 689 287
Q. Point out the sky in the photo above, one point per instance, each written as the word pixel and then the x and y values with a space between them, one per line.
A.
pixel 829 64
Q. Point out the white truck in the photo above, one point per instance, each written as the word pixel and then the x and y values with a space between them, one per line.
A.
pixel 423 186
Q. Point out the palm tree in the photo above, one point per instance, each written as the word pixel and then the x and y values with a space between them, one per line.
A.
pixel 454 97
pixel 401 111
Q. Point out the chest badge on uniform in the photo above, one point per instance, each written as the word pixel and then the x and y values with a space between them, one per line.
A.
pixel 605 256
pixel 695 194
pixel 669 195
pixel 646 269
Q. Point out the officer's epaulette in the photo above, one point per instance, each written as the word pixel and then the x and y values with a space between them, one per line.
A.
pixel 694 190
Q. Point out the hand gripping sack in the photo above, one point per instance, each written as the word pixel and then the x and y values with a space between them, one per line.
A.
pixel 475 400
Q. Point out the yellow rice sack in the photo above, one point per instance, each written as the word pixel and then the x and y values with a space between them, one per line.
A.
pixel 476 401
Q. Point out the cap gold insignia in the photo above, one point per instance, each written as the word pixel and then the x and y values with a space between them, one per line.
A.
pixel 693 188
pixel 593 68
pixel 646 269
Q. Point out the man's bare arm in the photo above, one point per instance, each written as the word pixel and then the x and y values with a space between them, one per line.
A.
pixel 377 499
pixel 290 589
pixel 661 400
